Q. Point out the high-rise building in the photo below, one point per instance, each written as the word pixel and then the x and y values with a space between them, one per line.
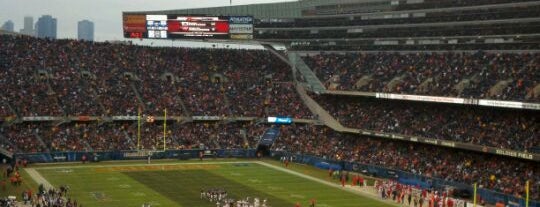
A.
pixel 8 26
pixel 85 30
pixel 28 26
pixel 46 27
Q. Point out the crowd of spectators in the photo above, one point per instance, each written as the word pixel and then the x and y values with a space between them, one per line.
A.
pixel 22 138
pixel 115 136
pixel 4 110
pixel 65 77
pixel 507 129
pixel 437 74
pixel 463 44
pixel 213 82
pixel 196 135
pixel 491 172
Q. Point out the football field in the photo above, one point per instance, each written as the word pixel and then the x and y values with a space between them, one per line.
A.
pixel 179 183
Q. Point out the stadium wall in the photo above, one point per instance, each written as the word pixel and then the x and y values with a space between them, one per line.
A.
pixel 132 155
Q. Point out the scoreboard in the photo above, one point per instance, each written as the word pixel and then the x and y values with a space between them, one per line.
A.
pixel 187 26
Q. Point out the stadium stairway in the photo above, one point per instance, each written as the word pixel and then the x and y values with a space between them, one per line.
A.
pixel 313 82
pixel 41 142
pixel 424 86
pixel 243 134
pixel 535 92
pixel 6 153
pixel 393 83
pixel 132 78
pixel 363 81
pixel 315 85
pixel 137 94
pixel 4 142
pixel 12 109
pixel 45 77
pixel 498 88
pixel 85 82
pixel 321 113
pixel 132 143
pixel 169 77
pixel 276 53
pixel 185 111
pixel 463 84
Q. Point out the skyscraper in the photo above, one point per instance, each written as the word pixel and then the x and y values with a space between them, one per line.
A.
pixel 46 27
pixel 85 30
pixel 28 26
pixel 8 26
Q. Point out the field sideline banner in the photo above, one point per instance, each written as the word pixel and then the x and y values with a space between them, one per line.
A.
pixel 127 155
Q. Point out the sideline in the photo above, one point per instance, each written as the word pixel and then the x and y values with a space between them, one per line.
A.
pixel 346 188
pixel 34 174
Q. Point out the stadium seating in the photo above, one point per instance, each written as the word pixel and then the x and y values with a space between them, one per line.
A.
pixel 506 129
pixel 507 76
pixel 65 77
pixel 430 17
pixel 498 173
pixel 44 77
pixel 120 136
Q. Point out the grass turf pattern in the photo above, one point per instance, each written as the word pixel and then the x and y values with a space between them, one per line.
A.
pixel 180 185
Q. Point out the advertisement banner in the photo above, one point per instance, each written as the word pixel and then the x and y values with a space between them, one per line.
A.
pixel 279 120
pixel 212 118
pixel 241 29
pixel 241 20
pixel 41 118
pixel 241 36
pixel 124 118
pixel 439 99
pixel 481 102
pixel 509 104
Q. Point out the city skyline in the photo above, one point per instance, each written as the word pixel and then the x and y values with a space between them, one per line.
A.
pixel 106 14
pixel 85 30
pixel 28 28
pixel 46 27
pixel 8 26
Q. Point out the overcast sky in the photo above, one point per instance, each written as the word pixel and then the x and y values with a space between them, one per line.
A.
pixel 106 14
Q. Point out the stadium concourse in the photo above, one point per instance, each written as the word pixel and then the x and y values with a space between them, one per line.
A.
pixel 66 78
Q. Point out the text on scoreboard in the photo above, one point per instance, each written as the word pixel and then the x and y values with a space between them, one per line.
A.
pixel 184 26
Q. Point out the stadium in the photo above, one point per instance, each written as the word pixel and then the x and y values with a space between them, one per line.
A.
pixel 345 103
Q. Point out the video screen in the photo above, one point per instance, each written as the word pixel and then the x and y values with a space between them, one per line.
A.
pixel 187 27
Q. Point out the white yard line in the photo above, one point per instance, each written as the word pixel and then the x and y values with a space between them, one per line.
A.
pixel 346 188
pixel 38 178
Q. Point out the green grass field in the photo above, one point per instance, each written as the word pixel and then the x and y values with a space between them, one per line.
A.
pixel 179 183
